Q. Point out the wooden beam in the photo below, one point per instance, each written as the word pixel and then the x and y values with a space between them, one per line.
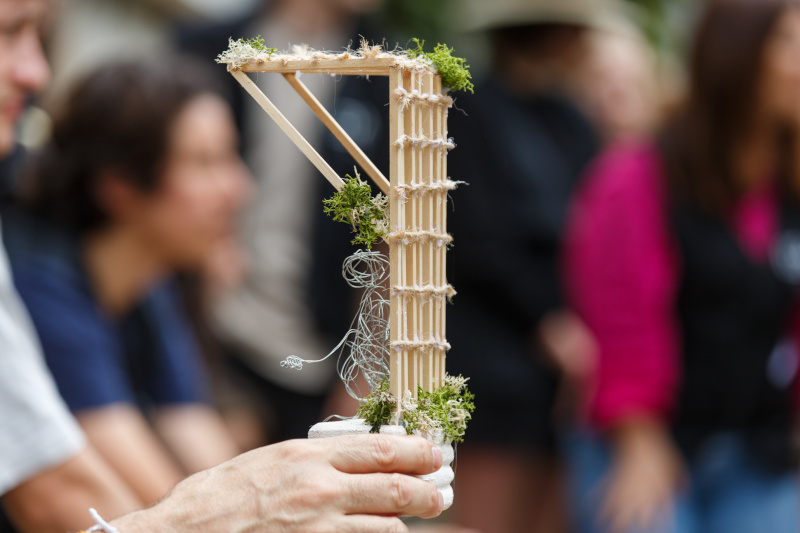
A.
pixel 336 129
pixel 351 66
pixel 287 127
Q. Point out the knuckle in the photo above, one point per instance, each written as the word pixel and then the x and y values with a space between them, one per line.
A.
pixel 401 491
pixel 323 493
pixel 384 451
pixel 294 450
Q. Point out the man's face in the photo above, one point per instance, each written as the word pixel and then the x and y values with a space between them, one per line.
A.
pixel 23 67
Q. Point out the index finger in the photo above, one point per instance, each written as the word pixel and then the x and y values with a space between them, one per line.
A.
pixel 363 454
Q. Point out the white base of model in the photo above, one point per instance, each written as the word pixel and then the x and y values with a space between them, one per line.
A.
pixel 442 478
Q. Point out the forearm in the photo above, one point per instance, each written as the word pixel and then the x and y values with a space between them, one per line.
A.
pixel 196 435
pixel 57 500
pixel 128 445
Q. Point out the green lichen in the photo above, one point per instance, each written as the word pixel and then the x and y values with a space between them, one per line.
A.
pixel 355 205
pixel 447 408
pixel 453 70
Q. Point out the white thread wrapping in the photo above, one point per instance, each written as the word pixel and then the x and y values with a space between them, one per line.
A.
pixel 421 141
pixel 414 190
pixel 410 237
pixel 446 291
pixel 406 98
pixel 405 344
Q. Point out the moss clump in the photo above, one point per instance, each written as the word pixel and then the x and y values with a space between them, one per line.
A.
pixel 453 70
pixel 378 407
pixel 448 408
pixel 355 205
pixel 257 44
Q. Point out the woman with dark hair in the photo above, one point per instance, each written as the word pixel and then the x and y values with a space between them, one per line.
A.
pixel 141 180
pixel 683 258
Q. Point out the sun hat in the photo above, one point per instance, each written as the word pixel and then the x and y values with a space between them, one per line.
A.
pixel 485 15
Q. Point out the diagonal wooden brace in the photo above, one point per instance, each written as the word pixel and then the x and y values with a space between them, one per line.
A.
pixel 333 126
pixel 283 123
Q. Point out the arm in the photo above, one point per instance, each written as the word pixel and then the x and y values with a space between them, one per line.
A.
pixel 196 434
pixel 86 358
pixel 55 500
pixel 622 276
pixel 357 484
pixel 47 474
pixel 177 384
pixel 123 438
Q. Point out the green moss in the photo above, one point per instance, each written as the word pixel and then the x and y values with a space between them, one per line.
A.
pixel 355 205
pixel 378 407
pixel 453 70
pixel 257 43
pixel 448 408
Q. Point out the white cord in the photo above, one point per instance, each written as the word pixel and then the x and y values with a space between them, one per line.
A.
pixel 101 525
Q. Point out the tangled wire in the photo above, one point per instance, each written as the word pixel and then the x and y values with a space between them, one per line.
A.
pixel 368 338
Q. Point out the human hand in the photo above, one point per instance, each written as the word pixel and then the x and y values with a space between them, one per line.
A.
pixel 644 480
pixel 569 345
pixel 353 484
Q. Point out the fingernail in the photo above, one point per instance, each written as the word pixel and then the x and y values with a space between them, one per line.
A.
pixel 441 502
pixel 437 458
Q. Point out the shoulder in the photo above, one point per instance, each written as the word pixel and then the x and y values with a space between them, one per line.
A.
pixel 624 175
pixel 34 241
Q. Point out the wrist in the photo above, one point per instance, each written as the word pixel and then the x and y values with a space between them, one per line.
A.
pixel 637 429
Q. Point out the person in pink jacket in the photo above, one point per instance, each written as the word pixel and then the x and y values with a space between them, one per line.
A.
pixel 683 258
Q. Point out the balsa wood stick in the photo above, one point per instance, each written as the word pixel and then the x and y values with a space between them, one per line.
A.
pixel 336 129
pixel 352 66
pixel 283 123
pixel 441 226
pixel 410 150
pixel 396 171
pixel 428 249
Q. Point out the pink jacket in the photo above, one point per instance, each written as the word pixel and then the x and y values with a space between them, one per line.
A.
pixel 622 274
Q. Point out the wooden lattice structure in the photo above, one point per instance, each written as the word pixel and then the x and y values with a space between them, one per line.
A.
pixel 417 188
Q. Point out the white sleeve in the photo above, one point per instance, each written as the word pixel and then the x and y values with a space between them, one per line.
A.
pixel 37 430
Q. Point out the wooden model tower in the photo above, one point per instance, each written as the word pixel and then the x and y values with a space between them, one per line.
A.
pixel 417 188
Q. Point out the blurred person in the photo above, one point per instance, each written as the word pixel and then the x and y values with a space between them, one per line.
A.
pixel 50 475
pixel 45 464
pixel 682 258
pixel 522 144
pixel 141 180
pixel 267 316
pixel 620 88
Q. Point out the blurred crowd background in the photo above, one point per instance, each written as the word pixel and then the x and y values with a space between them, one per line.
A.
pixel 625 253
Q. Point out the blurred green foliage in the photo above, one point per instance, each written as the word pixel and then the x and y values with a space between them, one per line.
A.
pixel 664 22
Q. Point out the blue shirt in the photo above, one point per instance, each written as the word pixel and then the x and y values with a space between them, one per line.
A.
pixel 148 357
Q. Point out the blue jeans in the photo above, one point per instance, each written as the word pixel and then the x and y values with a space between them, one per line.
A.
pixel 728 492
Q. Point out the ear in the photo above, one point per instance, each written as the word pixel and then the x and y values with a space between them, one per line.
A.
pixel 117 196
